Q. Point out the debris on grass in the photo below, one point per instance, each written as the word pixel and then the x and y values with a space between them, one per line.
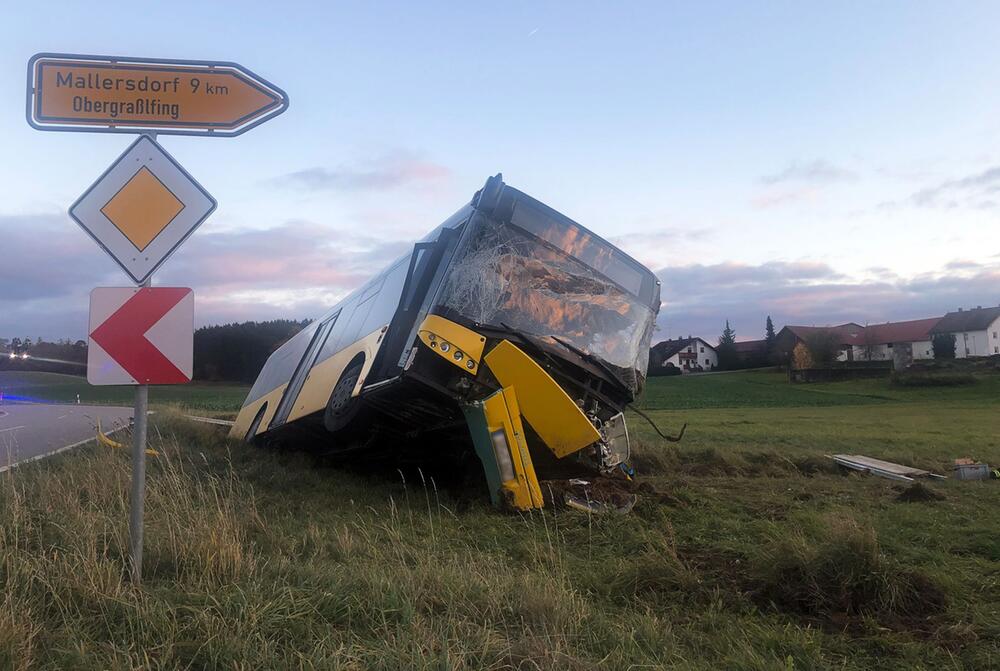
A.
pixel 589 505
pixel 918 492
pixel 602 495
pixel 883 469
pixel 969 469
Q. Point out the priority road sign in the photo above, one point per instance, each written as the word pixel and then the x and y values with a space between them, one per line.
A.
pixel 106 94
pixel 142 208
pixel 141 335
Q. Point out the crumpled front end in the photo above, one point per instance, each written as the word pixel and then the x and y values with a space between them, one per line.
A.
pixel 504 276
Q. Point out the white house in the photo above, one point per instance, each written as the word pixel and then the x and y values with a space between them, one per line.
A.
pixel 977 332
pixel 877 342
pixel 690 355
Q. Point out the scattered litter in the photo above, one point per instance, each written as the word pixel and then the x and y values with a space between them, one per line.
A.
pixel 103 439
pixel 969 469
pixel 883 469
pixel 600 495
pixel 918 493
pixel 600 507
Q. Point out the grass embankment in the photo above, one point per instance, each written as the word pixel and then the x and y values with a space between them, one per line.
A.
pixel 59 388
pixel 760 555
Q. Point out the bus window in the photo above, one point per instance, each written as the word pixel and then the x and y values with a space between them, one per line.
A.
pixel 332 341
pixel 387 301
pixel 352 332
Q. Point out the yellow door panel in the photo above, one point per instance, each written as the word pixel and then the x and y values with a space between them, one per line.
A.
pixel 521 485
pixel 553 415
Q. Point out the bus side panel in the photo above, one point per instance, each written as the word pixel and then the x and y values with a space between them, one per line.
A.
pixel 249 411
pixel 323 376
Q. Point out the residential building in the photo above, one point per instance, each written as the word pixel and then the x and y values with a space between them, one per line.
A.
pixel 877 342
pixel 690 355
pixel 846 335
pixel 977 332
pixel 752 353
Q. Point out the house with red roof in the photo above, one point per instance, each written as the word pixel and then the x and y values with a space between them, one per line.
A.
pixel 976 331
pixel 846 335
pixel 874 342
pixel 878 342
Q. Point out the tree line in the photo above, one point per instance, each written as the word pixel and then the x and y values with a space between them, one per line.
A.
pixel 237 352
pixel 226 353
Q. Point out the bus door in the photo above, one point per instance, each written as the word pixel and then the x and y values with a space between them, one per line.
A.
pixel 306 363
pixel 424 263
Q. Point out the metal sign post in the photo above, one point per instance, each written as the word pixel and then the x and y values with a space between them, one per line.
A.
pixel 137 498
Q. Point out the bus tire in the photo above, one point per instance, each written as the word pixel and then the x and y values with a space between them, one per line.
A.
pixel 342 408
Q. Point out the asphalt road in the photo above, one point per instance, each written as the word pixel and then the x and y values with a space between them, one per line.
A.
pixel 29 432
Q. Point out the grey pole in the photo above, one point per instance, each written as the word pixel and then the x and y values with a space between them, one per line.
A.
pixel 137 501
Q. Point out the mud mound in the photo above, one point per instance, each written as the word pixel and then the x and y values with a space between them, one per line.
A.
pixel 918 492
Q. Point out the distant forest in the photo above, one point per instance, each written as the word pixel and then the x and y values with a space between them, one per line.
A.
pixel 227 353
pixel 237 352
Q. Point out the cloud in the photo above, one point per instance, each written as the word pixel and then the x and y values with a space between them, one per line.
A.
pixel 300 268
pixel 296 270
pixel 771 199
pixel 818 171
pixel 697 299
pixel 46 255
pixel 387 172
pixel 976 191
pixel 654 248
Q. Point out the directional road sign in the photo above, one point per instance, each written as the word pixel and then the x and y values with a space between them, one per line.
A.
pixel 142 208
pixel 141 335
pixel 107 94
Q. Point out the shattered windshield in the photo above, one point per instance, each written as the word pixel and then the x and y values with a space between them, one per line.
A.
pixel 505 276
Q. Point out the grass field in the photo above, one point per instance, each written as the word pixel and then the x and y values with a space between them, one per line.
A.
pixel 56 387
pixel 756 553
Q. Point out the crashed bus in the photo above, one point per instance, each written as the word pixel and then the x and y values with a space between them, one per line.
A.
pixel 509 325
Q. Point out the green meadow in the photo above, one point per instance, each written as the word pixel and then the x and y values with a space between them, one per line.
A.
pixel 748 549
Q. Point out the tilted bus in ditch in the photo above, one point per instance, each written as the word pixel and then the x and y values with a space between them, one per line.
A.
pixel 509 322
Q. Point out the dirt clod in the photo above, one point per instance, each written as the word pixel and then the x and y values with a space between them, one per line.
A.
pixel 918 492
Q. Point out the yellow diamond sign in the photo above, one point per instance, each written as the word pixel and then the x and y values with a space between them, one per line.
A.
pixel 142 208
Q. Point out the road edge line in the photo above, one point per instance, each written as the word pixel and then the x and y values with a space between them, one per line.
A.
pixel 38 457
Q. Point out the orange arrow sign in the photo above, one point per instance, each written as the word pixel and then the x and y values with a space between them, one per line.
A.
pixel 106 94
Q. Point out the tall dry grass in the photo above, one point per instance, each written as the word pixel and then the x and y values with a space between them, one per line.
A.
pixel 63 547
pixel 261 560
pixel 375 584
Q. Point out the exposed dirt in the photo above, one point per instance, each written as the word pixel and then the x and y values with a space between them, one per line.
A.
pixel 611 491
pixel 918 492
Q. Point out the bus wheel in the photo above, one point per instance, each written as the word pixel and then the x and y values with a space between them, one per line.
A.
pixel 342 407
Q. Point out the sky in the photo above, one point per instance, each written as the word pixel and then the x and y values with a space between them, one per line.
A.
pixel 816 162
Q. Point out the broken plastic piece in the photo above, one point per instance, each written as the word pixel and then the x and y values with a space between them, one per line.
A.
pixel 883 469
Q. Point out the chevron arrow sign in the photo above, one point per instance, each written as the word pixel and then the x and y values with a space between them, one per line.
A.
pixel 141 335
